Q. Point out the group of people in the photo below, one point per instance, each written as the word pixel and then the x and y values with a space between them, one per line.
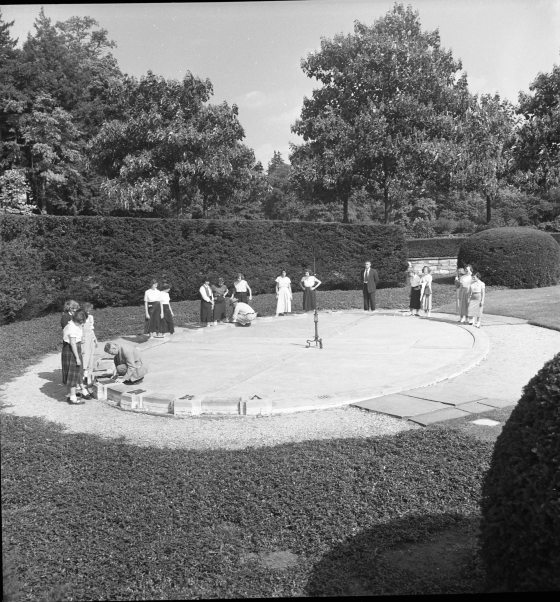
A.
pixel 470 293
pixel 79 344
pixel 159 315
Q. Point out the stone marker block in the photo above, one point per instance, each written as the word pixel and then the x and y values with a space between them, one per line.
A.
pixel 256 407
pixel 187 407
pixel 220 405
pixel 131 401
pixel 157 404
pixel 100 390
pixel 114 392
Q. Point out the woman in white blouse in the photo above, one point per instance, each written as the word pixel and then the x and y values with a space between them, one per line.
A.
pixel 283 294
pixel 426 291
pixel 166 314
pixel 72 361
pixel 206 303
pixel 476 294
pixel 153 310
pixel 242 287
pixel 309 285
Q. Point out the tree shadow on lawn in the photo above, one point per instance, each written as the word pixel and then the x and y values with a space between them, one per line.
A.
pixel 413 555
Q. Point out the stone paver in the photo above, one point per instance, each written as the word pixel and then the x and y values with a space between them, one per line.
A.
pixel 447 413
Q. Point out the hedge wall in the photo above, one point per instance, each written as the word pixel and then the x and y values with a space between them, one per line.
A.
pixel 110 261
pixel 434 247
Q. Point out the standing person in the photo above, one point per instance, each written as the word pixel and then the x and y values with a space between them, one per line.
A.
pixel 152 309
pixel 426 291
pixel 415 290
pixel 220 292
pixel 460 272
pixel 464 284
pixel 128 363
pixel 89 344
pixel 206 303
pixel 242 287
pixel 309 285
pixel 166 314
pixel 370 278
pixel 283 294
pixel 476 294
pixel 243 314
pixel 70 306
pixel 72 361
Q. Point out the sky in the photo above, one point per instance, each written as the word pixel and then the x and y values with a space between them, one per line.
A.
pixel 252 51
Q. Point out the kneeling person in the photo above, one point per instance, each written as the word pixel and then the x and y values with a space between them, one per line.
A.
pixel 128 363
pixel 243 314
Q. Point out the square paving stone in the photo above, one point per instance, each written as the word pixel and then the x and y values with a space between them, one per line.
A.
pixel 448 393
pixel 399 405
pixel 498 403
pixel 475 407
pixel 438 416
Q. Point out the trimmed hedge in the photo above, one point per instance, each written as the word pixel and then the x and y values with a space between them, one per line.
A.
pixel 434 247
pixel 513 257
pixel 520 527
pixel 110 261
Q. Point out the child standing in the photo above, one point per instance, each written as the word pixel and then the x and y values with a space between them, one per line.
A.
pixel 89 344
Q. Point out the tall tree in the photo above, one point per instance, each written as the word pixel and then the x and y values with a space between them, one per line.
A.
pixel 172 150
pixel 385 112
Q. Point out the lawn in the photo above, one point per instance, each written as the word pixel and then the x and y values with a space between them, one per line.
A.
pixel 89 518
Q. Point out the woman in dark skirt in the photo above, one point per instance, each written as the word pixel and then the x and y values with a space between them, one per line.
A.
pixel 309 284
pixel 166 315
pixel 153 309
pixel 220 293
pixel 415 291
pixel 72 362
pixel 206 303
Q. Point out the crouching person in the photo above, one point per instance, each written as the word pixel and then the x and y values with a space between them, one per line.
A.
pixel 243 313
pixel 128 363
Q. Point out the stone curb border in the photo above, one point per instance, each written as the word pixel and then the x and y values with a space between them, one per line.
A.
pixel 146 402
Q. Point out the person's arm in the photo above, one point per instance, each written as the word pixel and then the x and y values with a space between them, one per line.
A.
pixel 250 291
pixel 301 285
pixel 290 289
pixel 317 284
pixel 130 360
pixel 277 287
pixel 375 277
pixel 146 306
pixel 423 287
pixel 75 349
pixel 235 313
pixel 482 294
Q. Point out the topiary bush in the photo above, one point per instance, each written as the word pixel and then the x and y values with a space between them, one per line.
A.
pixel 513 257
pixel 520 527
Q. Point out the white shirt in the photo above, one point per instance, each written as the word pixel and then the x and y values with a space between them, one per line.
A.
pixel 164 298
pixel 242 308
pixel 240 286
pixel 206 293
pixel 309 281
pixel 72 330
pixel 283 281
pixel 151 295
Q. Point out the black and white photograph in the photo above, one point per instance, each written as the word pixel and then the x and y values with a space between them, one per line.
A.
pixel 279 299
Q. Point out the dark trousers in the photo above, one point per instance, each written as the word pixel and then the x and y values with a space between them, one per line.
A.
pixel 369 298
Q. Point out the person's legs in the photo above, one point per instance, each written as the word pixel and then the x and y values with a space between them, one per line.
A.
pixel 366 297
pixel 372 301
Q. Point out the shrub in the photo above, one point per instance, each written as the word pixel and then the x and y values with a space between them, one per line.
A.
pixel 433 247
pixel 520 527
pixel 444 225
pixel 421 228
pixel 465 225
pixel 513 257
pixel 109 260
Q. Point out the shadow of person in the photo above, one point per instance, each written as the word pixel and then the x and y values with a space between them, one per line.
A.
pixel 53 386
pixel 413 555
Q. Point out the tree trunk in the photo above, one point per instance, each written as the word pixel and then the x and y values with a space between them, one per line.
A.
pixel 345 209
pixel 489 200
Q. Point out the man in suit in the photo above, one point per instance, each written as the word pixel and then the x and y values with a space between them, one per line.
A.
pixel 370 278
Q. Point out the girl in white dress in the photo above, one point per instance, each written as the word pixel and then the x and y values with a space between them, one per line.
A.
pixel 283 294
pixel 89 344
pixel 476 294
pixel 426 291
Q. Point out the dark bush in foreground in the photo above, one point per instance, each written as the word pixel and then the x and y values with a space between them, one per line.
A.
pixel 520 528
pixel 110 261
pixel 513 257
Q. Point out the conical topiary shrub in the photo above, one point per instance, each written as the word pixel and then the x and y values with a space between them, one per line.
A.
pixel 513 257
pixel 520 527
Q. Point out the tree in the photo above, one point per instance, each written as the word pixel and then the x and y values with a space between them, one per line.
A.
pixel 536 148
pixel 14 192
pixel 173 151
pixel 384 120
pixel 280 201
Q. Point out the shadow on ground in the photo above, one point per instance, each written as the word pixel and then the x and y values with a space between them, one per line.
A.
pixel 414 555
pixel 53 386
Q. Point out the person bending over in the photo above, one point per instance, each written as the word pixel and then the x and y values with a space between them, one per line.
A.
pixel 128 363
pixel 243 314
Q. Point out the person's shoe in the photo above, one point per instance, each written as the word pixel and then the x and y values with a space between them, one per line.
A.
pixel 75 402
pixel 85 395
pixel 462 320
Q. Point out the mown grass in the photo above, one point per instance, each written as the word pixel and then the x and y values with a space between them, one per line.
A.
pixel 86 518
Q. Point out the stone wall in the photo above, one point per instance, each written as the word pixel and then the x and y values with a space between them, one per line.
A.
pixel 445 266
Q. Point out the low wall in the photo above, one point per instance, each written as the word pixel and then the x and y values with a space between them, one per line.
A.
pixel 445 266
